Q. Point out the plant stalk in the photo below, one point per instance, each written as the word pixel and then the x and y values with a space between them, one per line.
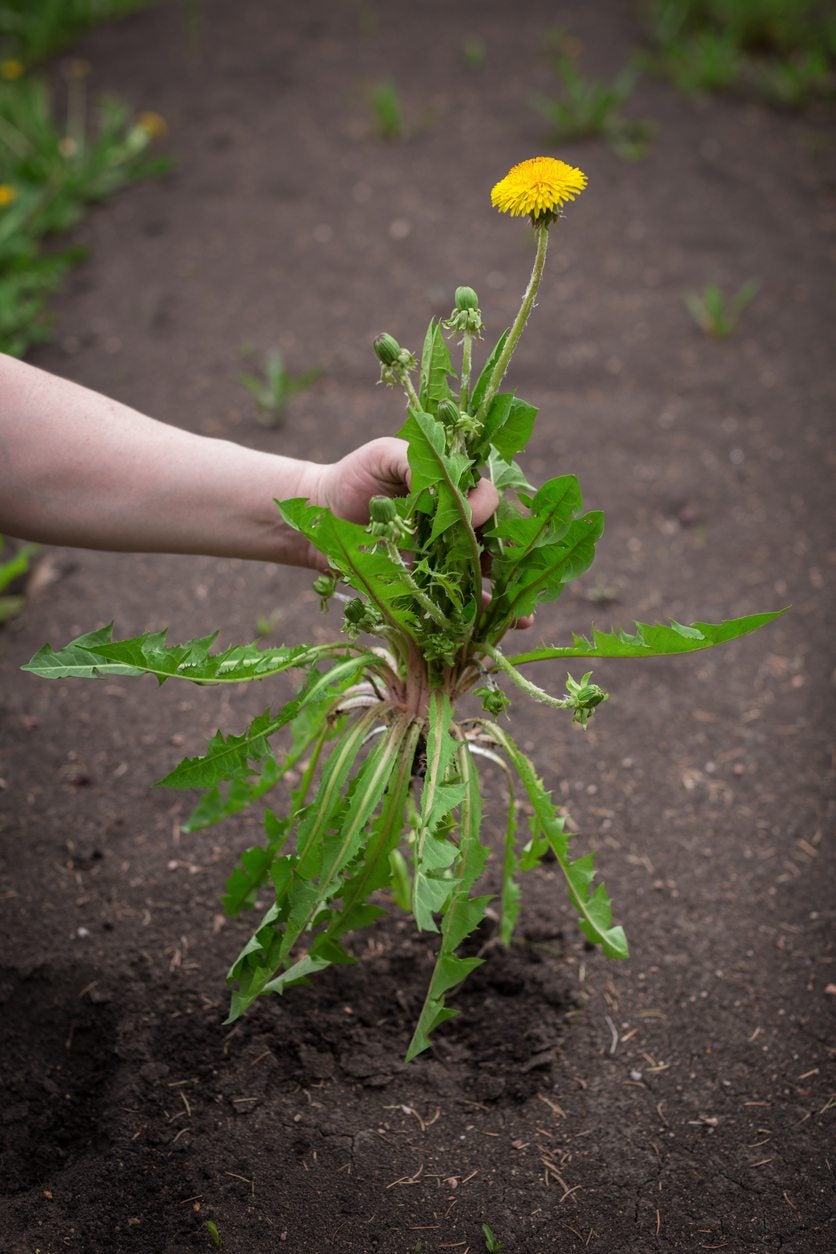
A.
pixel 498 372
pixel 406 384
pixel 527 686
pixel 467 356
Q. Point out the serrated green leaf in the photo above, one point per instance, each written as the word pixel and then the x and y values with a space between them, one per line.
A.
pixel 373 869
pixel 230 757
pixel 651 640
pixel 301 971
pixel 436 367
pixel 462 914
pixel 506 476
pixel 252 871
pixel 446 476
pixel 319 871
pixel 78 660
pixel 433 467
pixel 346 545
pixel 16 565
pixel 433 852
pixel 266 949
pixel 96 654
pixel 315 722
pixel 593 906
pixel 551 510
pixel 542 574
pixel 221 803
pixel 508 425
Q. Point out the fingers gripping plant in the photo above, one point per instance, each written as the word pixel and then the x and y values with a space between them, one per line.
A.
pixel 387 795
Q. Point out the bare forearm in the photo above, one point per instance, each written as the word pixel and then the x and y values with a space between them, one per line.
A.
pixel 77 468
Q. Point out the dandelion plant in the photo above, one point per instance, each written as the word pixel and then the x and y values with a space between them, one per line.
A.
pixel 386 804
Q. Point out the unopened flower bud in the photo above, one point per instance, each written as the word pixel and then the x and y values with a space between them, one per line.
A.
pixel 584 697
pixel 382 509
pixel 355 611
pixel 324 586
pixel 466 317
pixel 448 413
pixel 360 616
pixel 385 523
pixel 466 298
pixel 591 695
pixel 387 348
pixel 494 700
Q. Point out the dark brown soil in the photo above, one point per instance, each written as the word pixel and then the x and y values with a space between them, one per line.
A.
pixel 679 1101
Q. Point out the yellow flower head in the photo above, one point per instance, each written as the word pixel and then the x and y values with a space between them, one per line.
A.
pixel 7 194
pixel 10 69
pixel 539 186
pixel 153 124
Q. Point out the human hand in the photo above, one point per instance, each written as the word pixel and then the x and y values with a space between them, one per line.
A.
pixel 381 468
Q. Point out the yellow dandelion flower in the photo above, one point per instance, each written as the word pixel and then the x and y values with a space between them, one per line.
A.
pixel 7 194
pixel 10 69
pixel 153 124
pixel 538 186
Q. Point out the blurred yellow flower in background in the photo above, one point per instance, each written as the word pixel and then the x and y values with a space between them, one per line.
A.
pixel 10 69
pixel 153 124
pixel 7 194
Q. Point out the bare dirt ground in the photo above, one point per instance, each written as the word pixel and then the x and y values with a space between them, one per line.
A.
pixel 679 1101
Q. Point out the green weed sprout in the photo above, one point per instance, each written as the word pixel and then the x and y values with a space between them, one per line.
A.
pixel 474 52
pixel 587 108
pixel 492 1245
pixel 387 112
pixel 792 83
pixel 215 1236
pixel 782 50
pixel 717 314
pixel 708 61
pixel 12 569
pixel 276 388
pixel 386 803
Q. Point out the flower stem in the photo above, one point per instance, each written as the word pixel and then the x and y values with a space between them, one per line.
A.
pixel 498 372
pixel 514 675
pixel 467 352
pixel 406 384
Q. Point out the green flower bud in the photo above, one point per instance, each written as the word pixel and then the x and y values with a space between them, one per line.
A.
pixel 448 413
pixel 382 509
pixel 466 298
pixel 324 586
pixel 355 610
pixel 590 695
pixel 387 348
pixel 466 317
pixel 359 616
pixel 584 697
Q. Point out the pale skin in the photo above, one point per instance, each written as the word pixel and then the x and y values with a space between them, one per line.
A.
pixel 80 469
